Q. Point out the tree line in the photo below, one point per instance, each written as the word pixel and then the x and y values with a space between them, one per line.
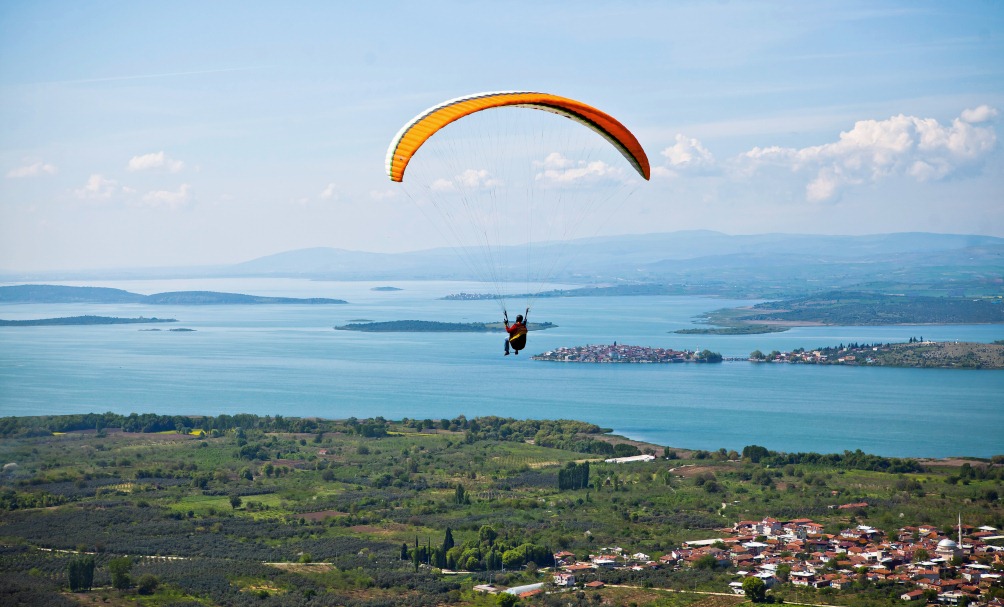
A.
pixel 856 460
pixel 486 552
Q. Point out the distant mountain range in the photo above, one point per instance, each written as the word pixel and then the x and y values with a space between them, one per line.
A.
pixel 656 257
pixel 762 265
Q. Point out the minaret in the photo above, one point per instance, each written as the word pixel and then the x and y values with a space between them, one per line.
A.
pixel 960 532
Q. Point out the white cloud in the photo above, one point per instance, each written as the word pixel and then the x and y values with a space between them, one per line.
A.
pixel 917 148
pixel 824 186
pixel 476 179
pixel 156 160
pixel 442 185
pixel 979 114
pixel 168 199
pixel 558 169
pixel 32 170
pixel 555 161
pixel 98 188
pixel 687 155
pixel 470 179
pixel 596 169
pixel 381 195
pixel 329 192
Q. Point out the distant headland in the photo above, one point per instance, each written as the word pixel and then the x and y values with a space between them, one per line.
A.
pixel 62 294
pixel 427 326
pixel 83 320
pixel 843 308
pixel 855 308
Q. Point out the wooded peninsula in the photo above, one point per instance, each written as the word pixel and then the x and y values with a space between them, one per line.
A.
pixel 915 353
pixel 851 308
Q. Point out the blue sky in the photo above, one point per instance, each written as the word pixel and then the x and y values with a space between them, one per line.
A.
pixel 181 133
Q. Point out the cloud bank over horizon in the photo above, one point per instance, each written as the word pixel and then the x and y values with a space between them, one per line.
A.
pixel 921 149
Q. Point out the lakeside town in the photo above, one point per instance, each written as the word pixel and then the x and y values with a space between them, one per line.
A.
pixel 931 566
pixel 621 353
pixel 914 353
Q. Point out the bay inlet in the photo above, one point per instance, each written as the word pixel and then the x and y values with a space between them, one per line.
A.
pixel 288 360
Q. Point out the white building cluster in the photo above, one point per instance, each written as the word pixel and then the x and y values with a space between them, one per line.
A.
pixel 923 560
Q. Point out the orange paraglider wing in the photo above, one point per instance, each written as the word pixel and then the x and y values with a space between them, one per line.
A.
pixel 419 129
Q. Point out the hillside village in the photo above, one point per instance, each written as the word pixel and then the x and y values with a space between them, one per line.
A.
pixel 930 566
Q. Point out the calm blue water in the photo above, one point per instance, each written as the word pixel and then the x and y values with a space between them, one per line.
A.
pixel 287 360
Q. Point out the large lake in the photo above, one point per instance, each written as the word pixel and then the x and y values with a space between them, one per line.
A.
pixel 288 360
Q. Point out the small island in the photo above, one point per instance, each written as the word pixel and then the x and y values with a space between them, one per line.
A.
pixel 428 326
pixel 620 353
pixel 82 320
pixel 386 289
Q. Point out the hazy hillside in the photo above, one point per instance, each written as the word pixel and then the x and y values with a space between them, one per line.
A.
pixel 603 253
pixel 759 265
pixel 339 264
pixel 755 265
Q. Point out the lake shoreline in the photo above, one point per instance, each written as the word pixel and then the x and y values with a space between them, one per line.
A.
pixel 606 435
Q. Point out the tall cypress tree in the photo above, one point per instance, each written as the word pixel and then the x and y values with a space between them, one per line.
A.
pixel 74 574
pixel 574 476
pixel 88 572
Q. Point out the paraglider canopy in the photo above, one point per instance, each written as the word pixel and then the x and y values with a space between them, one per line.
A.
pixel 425 125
